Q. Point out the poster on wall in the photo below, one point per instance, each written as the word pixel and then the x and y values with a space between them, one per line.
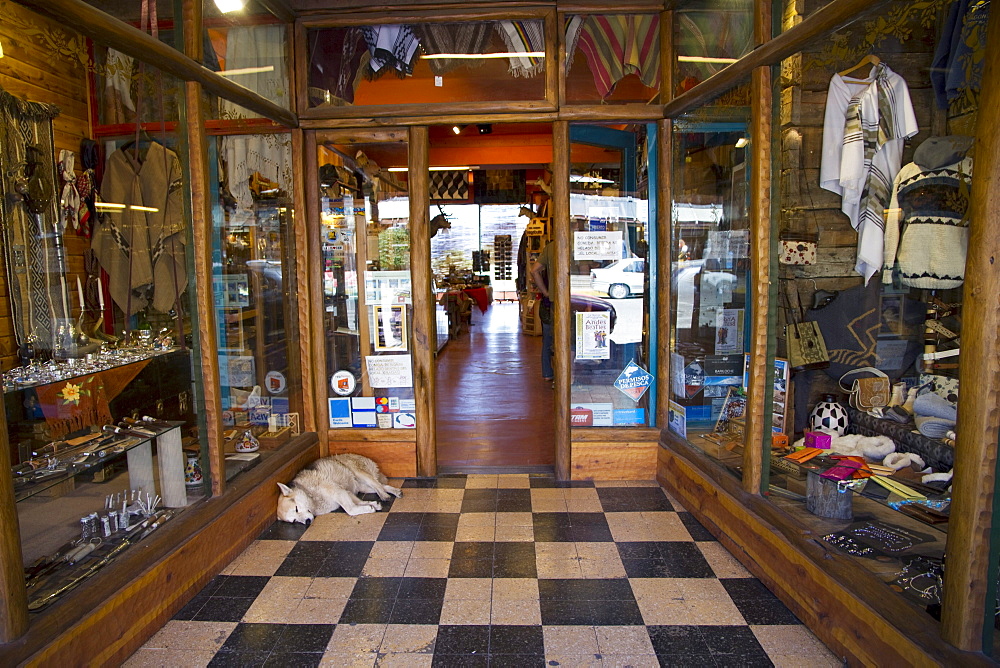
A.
pixel 390 327
pixel 389 370
pixel 729 331
pixel 633 381
pixel 677 419
pixel 231 291
pixel 597 245
pixel 592 332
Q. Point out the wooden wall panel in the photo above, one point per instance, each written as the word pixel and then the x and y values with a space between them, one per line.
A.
pixel 614 460
pixel 44 62
pixel 394 459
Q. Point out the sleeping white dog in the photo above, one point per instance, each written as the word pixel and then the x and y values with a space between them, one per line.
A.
pixel 331 483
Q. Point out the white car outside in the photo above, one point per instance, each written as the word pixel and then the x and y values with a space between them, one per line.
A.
pixel 620 279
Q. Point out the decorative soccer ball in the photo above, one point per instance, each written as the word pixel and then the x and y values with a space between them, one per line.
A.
pixel 828 415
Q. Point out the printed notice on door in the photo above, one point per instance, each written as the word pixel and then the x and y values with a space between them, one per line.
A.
pixel 389 371
pixel 597 245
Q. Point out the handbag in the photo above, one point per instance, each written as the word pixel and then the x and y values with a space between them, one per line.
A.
pixel 804 340
pixel 797 248
pixel 868 393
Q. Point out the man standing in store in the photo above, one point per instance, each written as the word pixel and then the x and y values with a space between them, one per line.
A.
pixel 540 273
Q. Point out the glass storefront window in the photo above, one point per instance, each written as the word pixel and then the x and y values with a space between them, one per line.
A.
pixel 709 35
pixel 710 309
pixel 430 63
pixel 612 58
pixel 254 290
pixel 610 282
pixel 368 295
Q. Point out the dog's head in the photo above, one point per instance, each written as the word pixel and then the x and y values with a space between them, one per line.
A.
pixel 293 505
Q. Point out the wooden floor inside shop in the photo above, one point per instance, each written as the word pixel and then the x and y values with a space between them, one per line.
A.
pixel 494 411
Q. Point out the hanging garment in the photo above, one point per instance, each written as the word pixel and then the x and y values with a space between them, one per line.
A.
pixel 336 59
pixel 140 248
pixel 957 68
pixel 257 46
pixel 243 155
pixel 618 45
pixel 392 48
pixel 867 120
pixel 472 37
pixel 926 230
pixel 69 199
pixel 118 75
pixel 523 37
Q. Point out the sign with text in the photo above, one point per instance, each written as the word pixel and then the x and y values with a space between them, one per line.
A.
pixel 389 370
pixel 597 245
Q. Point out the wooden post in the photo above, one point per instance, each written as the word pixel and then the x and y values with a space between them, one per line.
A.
pixel 664 266
pixel 201 235
pixel 424 332
pixel 14 608
pixel 312 288
pixel 306 274
pixel 970 559
pixel 561 344
pixel 756 442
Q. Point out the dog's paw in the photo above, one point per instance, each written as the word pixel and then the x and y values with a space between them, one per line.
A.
pixel 395 491
pixel 362 509
pixel 376 505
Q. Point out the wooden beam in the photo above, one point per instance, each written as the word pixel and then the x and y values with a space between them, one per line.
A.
pixel 966 581
pixel 14 597
pixel 280 9
pixel 554 48
pixel 761 390
pixel 204 301
pixel 664 266
pixel 424 326
pixel 313 287
pixel 824 20
pixel 131 41
pixel 560 288
pixel 307 277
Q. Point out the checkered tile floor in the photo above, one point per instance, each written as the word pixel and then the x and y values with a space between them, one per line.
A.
pixel 490 570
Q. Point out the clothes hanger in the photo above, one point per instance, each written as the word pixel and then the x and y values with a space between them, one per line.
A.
pixel 870 59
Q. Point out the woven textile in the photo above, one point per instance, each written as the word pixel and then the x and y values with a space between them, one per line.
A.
pixel 392 48
pixel 32 252
pixel 449 185
pixel 616 46
pixel 523 37
pixel 453 38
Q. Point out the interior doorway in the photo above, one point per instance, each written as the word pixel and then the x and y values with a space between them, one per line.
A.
pixel 494 411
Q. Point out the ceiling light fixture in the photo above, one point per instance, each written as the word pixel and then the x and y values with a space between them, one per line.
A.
pixel 742 141
pixel 706 59
pixel 227 6
pixel 246 70
pixel 485 128
pixel 482 56
pixel 457 129
pixel 578 178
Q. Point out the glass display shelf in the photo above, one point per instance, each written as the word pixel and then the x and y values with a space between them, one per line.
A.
pixel 35 375
pixel 71 461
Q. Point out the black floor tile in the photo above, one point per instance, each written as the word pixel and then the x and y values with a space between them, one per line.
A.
pixel 516 640
pixel 504 567
pixel 746 588
pixel 449 520
pixel 283 531
pixel 517 660
pixel 299 638
pixel 514 500
pixel 299 568
pixel 734 645
pixel 435 532
pixel 460 661
pixel 346 566
pixel 463 639
pixel 549 483
pixel 756 602
pixel 416 611
pixel 253 638
pixel 238 659
pixel 294 660
pixel 395 520
pixel 686 660
pixel 568 589
pixel 678 640
pixel 592 613
pixel 684 560
pixel 470 568
pixel 367 611
pixel 386 589
pixel 240 586
pixel 694 527
pixel 479 505
pixel 223 609
pixel 403 533
pixel 591 533
pixel 191 608
pixel 429 588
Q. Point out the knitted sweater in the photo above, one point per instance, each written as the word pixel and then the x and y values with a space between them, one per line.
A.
pixel 926 232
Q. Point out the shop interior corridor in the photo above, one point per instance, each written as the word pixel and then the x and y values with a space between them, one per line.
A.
pixel 495 413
